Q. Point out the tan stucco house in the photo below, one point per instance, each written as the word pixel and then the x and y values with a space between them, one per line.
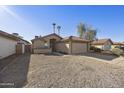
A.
pixel 117 44
pixel 104 44
pixel 8 44
pixel 55 43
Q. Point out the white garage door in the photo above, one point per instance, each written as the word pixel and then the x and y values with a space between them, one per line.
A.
pixel 79 48
pixel 7 47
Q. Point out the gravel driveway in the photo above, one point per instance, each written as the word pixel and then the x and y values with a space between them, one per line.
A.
pixel 47 71
pixel 73 71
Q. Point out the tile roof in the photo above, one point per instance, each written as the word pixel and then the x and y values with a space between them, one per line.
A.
pixel 10 36
pixel 47 36
pixel 118 43
pixel 7 35
pixel 74 38
pixel 101 41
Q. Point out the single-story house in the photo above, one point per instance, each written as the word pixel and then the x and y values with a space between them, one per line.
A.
pixel 8 43
pixel 117 44
pixel 55 43
pixel 104 44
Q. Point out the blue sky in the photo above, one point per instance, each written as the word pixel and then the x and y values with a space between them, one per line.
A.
pixel 29 21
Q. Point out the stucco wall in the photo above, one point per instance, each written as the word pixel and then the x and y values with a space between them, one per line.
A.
pixel 7 47
pixel 38 44
pixel 62 47
pixel 47 39
pixel 79 48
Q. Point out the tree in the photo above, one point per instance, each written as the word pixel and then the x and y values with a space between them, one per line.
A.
pixel 86 32
pixel 91 34
pixel 81 30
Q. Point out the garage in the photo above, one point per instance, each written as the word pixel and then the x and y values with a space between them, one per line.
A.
pixel 11 44
pixel 7 45
pixel 73 45
pixel 79 47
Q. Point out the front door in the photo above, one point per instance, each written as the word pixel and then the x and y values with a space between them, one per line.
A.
pixel 52 44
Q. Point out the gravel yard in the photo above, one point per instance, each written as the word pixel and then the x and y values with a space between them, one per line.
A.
pixel 47 71
pixel 73 71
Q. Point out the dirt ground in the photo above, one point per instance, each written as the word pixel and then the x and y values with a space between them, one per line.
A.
pixel 64 71
pixel 14 74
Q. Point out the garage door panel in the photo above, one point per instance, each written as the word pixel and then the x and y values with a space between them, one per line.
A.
pixel 79 48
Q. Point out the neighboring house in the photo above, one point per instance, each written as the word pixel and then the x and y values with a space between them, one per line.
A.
pixel 104 44
pixel 20 39
pixel 8 43
pixel 55 43
pixel 117 44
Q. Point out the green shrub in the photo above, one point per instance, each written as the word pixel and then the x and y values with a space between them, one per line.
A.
pixel 117 51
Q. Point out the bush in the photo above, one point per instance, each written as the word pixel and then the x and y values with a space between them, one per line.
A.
pixel 95 49
pixel 117 51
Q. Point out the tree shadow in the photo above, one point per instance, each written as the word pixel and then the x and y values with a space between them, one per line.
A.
pixel 14 75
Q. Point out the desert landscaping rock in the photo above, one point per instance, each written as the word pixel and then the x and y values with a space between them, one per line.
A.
pixel 73 71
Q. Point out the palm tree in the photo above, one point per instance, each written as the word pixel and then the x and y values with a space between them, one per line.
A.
pixel 58 27
pixel 54 24
pixel 81 29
